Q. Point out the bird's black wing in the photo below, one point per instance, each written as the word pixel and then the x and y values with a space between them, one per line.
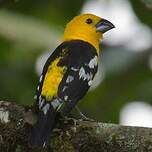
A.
pixel 59 52
pixel 80 60
pixel 47 115
pixel 82 63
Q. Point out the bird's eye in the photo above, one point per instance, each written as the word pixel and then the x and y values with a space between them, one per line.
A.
pixel 89 21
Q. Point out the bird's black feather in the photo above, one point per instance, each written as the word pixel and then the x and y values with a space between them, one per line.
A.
pixel 75 56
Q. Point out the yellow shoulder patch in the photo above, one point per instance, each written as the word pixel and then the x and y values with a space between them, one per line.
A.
pixel 52 79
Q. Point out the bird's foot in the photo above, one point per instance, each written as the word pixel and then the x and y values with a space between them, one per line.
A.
pixel 83 117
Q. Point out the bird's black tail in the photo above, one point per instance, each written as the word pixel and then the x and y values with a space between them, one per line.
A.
pixel 42 129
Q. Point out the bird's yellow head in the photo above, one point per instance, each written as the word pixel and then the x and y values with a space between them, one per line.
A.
pixel 87 27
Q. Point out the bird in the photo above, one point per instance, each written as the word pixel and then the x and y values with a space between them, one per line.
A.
pixel 68 73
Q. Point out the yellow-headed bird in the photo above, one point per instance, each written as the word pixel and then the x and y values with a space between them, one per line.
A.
pixel 68 73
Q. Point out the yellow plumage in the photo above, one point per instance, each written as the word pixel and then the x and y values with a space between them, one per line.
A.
pixel 77 29
pixel 52 80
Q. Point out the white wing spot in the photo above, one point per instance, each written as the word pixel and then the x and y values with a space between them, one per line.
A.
pixel 40 98
pixel 44 144
pixel 55 103
pixel 38 88
pixel 82 73
pixel 85 76
pixel 88 76
pixel 41 102
pixel 74 69
pixel 90 83
pixel 65 98
pixel 41 77
pixel 46 108
pixel 93 62
pixel 69 79
pixel 64 88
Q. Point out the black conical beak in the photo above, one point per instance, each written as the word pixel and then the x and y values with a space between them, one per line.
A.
pixel 104 25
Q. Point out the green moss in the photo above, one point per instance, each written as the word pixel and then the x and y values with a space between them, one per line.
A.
pixel 62 142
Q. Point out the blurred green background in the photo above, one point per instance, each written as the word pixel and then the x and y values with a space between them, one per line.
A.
pixel 29 29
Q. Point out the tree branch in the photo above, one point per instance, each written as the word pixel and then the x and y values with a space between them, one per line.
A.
pixel 70 135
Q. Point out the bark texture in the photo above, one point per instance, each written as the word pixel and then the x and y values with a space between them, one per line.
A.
pixel 70 135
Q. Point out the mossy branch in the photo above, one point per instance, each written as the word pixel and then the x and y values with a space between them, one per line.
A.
pixel 70 135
